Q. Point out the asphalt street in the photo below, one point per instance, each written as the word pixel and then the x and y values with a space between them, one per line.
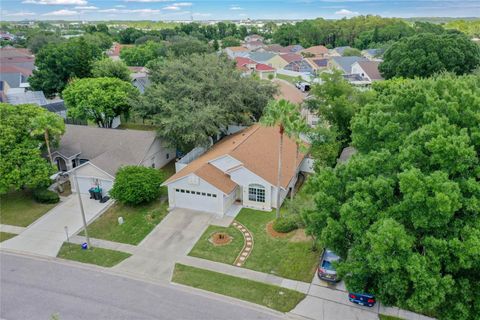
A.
pixel 32 288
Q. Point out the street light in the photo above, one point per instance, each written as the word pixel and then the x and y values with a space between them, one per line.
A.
pixel 81 208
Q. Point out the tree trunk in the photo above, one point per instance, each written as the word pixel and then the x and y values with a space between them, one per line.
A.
pixel 48 147
pixel 279 176
pixel 294 171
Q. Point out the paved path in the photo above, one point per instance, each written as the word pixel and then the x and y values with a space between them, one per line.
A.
pixel 46 235
pixel 11 229
pixel 247 244
pixel 37 288
pixel 129 248
pixel 172 239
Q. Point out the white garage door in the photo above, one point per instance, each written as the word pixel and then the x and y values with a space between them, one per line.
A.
pixel 201 201
pixel 85 183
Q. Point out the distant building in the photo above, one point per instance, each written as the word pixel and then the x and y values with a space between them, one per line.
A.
pixel 315 52
pixel 233 52
pixel 373 54
pixel 367 70
pixel 339 51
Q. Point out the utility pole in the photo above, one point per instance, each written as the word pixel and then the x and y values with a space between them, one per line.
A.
pixel 81 208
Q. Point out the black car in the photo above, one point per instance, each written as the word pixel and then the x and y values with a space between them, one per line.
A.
pixel 326 271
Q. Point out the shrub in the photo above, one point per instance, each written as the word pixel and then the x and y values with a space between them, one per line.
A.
pixel 285 224
pixel 135 185
pixel 45 196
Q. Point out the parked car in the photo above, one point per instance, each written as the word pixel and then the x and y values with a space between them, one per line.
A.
pixel 303 86
pixel 363 299
pixel 326 271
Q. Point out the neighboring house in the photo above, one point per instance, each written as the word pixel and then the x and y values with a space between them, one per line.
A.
pixel 7 36
pixel 238 171
pixel 16 77
pixel 114 51
pixel 269 58
pixel 294 48
pixel 291 57
pixel 234 52
pixel 367 70
pixel 317 64
pixel 300 66
pixel 96 154
pixel 248 66
pixel 373 54
pixel 315 52
pixel 16 97
pixel 338 51
pixel 254 45
pixel 344 64
pixel 346 154
pixel 16 65
pixel 253 37
pixel 276 48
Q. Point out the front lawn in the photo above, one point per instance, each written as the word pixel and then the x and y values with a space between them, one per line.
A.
pixel 385 317
pixel 139 221
pixel 98 256
pixel 5 236
pixel 18 208
pixel 280 256
pixel 226 253
pixel 271 296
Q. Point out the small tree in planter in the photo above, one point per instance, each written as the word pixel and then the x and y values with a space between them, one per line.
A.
pixel 135 185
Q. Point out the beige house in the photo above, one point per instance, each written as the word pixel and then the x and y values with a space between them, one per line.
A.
pixel 269 58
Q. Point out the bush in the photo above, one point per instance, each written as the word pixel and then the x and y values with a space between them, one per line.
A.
pixel 285 224
pixel 45 196
pixel 135 185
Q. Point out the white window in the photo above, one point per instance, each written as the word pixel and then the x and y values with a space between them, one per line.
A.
pixel 256 193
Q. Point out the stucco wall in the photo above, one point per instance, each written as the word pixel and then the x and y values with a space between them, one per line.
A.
pixel 244 178
pixel 158 154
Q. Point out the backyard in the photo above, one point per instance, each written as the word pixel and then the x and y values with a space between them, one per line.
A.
pixel 20 209
pixel 289 256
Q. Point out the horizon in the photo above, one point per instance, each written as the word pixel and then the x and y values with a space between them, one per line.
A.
pixel 219 10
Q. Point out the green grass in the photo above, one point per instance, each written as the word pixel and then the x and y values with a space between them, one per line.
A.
pixel 137 126
pixel 292 260
pixel 138 222
pixel 5 236
pixel 385 317
pixel 226 254
pixel 20 209
pixel 271 296
pixel 290 79
pixel 98 256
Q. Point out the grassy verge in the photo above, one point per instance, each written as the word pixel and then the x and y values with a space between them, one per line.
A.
pixel 290 79
pixel 137 126
pixel 18 208
pixel 138 222
pixel 385 317
pixel 98 256
pixel 271 296
pixel 5 236
pixel 226 254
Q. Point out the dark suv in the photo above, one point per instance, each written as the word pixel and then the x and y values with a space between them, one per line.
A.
pixel 326 270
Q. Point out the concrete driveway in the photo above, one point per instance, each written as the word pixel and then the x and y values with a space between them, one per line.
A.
pixel 46 235
pixel 172 239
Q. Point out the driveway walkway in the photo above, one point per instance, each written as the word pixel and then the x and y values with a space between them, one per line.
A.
pixel 46 235
pixel 171 240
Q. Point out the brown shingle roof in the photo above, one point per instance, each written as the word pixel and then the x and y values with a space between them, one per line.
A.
pixel 237 49
pixel 256 147
pixel 317 50
pixel 288 92
pixel 371 69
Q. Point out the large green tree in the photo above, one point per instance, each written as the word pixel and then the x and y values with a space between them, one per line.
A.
pixel 111 69
pixel 426 54
pixel 404 213
pixel 57 63
pixel 21 161
pixel 99 99
pixel 141 54
pixel 196 97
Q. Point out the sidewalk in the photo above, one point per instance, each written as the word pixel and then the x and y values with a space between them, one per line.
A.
pixel 11 229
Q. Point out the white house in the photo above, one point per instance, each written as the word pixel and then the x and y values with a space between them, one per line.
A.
pixel 240 169
pixel 95 154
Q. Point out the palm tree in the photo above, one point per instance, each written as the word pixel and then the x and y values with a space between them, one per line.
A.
pixel 49 125
pixel 298 127
pixel 282 114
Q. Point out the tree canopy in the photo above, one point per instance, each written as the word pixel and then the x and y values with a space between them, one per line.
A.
pixel 111 69
pixel 99 99
pixel 21 161
pixel 403 213
pixel 425 54
pixel 141 54
pixel 195 97
pixel 57 63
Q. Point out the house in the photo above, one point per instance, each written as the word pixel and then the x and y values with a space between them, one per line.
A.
pixel 96 154
pixel 254 45
pixel 253 37
pixel 276 48
pixel 300 66
pixel 317 64
pixel 338 51
pixel 16 65
pixel 367 70
pixel 315 52
pixel 344 64
pixel 248 66
pixel 291 57
pixel 373 54
pixel 238 171
pixel 269 58
pixel 16 77
pixel 234 52
pixel 114 51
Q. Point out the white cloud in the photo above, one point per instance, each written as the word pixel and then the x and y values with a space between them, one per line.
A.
pixel 124 11
pixel 57 2
pixel 120 6
pixel 201 14
pixel 20 14
pixel 171 8
pixel 236 8
pixel 345 12
pixel 86 8
pixel 62 12
pixel 147 1
pixel 183 4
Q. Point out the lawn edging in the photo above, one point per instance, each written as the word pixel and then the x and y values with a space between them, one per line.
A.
pixel 267 295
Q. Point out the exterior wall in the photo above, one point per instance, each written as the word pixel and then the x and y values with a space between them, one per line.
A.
pixel 356 69
pixel 264 74
pixel 277 62
pixel 229 200
pixel 225 163
pixel 158 154
pixel 244 177
pixel 88 175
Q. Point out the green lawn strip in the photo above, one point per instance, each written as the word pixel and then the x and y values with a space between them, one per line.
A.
pixel 290 79
pixel 271 296
pixel 18 208
pixel 137 126
pixel 385 317
pixel 139 221
pixel 5 236
pixel 226 253
pixel 98 256
pixel 279 256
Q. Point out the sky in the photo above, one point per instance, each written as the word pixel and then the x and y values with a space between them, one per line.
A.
pixel 230 10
